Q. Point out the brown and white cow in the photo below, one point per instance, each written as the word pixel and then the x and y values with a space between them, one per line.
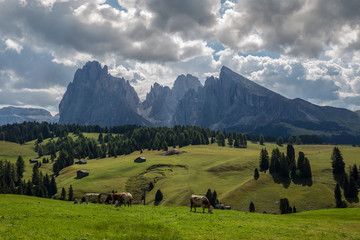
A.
pixel 91 197
pixel 125 198
pixel 200 201
pixel 113 197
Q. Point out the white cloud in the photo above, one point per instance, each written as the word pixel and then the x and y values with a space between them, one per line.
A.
pixel 12 45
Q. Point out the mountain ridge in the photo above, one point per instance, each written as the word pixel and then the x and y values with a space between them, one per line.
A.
pixel 229 102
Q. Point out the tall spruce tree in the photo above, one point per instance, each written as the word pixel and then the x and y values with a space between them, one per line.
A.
pixel 290 153
pixel 251 207
pixel 220 139
pixel 353 190
pixel 337 195
pixel 71 193
pixel 264 160
pixel 35 175
pixel 284 166
pixel 275 161
pixel 158 197
pixel 337 162
pixel 20 168
pixel 63 194
pixel 261 139
pixel 256 174
pixel 285 206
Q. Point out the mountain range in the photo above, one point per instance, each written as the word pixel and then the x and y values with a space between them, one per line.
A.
pixel 9 115
pixel 229 102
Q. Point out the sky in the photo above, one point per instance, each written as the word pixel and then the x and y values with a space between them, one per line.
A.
pixel 307 49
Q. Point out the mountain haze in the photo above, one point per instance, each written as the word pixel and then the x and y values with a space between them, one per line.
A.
pixel 9 115
pixel 230 102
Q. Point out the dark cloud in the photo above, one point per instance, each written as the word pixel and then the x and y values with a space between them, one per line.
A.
pixel 187 16
pixel 296 28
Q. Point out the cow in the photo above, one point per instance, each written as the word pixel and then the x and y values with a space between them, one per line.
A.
pixel 126 199
pixel 113 197
pixel 91 197
pixel 200 201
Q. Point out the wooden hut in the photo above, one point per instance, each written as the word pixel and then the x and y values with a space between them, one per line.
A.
pixel 82 174
pixel 140 160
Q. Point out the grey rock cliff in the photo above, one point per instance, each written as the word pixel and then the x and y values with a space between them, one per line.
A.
pixel 233 102
pixel 161 102
pixel 97 98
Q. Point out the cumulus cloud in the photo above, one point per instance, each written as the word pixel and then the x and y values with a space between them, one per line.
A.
pixel 316 45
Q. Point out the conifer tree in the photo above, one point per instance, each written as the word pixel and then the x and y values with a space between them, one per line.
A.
pixel 63 194
pixel 337 194
pixel 264 160
pixel 53 187
pixel 294 209
pixel 20 168
pixel 345 183
pixel 352 191
pixel 355 173
pixel 256 174
pixel 300 161
pixel 337 162
pixel 279 141
pixel 284 166
pixel 220 139
pixel 290 153
pixel 252 207
pixel 35 175
pixel 261 139
pixel 291 140
pixel 274 161
pixel 158 197
pixel 209 194
pixel 285 206
pixel 230 140
pixel 71 193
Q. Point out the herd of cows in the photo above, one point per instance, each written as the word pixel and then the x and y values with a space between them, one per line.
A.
pixel 126 198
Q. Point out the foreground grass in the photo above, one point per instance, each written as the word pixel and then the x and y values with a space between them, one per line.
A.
pixel 23 217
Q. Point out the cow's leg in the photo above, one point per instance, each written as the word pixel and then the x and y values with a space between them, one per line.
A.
pixel 203 210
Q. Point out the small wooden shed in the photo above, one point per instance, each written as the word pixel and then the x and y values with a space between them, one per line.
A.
pixel 34 160
pixel 82 174
pixel 140 160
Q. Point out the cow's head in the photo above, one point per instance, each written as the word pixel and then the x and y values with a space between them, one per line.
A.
pixel 210 209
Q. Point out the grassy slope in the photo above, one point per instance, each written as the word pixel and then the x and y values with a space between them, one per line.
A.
pixel 227 170
pixel 34 218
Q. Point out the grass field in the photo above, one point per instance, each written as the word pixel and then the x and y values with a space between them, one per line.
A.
pixel 23 217
pixel 229 171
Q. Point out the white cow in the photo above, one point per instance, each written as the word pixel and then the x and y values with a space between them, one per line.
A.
pixel 91 197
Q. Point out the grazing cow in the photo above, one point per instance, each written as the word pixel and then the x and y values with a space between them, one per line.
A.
pixel 91 197
pixel 200 201
pixel 113 197
pixel 126 199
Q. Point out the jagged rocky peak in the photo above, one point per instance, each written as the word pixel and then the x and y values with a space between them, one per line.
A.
pixel 183 84
pixel 96 97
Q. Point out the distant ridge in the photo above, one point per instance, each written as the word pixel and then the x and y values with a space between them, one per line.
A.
pixel 231 102
pixel 9 115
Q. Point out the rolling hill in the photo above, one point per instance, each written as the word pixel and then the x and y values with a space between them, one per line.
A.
pixel 227 170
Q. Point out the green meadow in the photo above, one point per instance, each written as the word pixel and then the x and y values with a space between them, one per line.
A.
pixel 227 170
pixel 24 217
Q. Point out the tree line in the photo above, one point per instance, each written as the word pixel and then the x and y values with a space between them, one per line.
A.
pixel 285 166
pixel 348 182
pixel 12 182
